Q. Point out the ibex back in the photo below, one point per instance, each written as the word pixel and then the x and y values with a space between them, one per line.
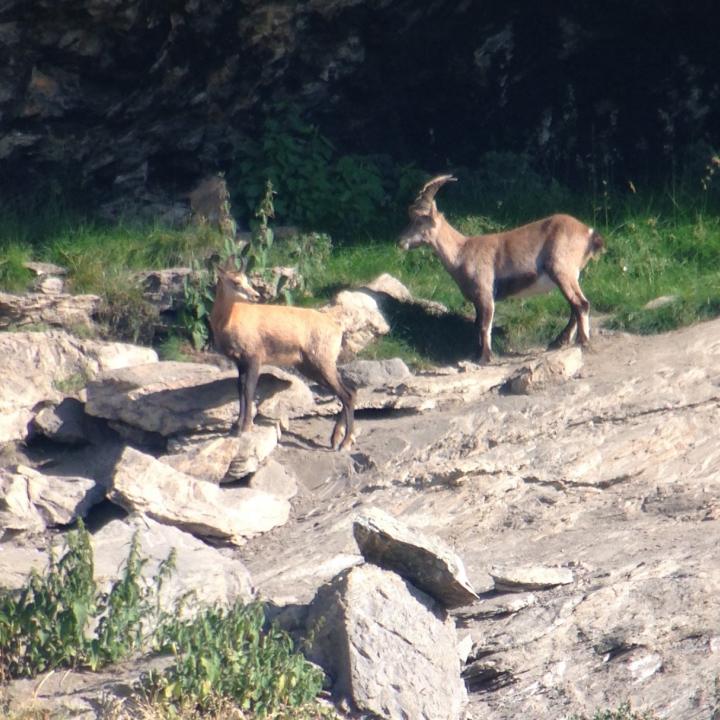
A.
pixel 530 259
pixel 253 335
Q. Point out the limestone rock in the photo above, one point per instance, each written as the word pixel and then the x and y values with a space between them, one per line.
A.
pixel 374 373
pixel 173 398
pixel 17 561
pixel 390 286
pixel 222 458
pixel 282 395
pixel 40 366
pixel 522 579
pixel 390 649
pixel 386 287
pixel 358 314
pixel 275 479
pixel 552 369
pixel 426 562
pixel 148 486
pixel 49 278
pixel 199 569
pixel 63 423
pixel 30 500
pixel 59 310
pixel 165 289
pixel 207 460
pixel 166 397
pixel 659 302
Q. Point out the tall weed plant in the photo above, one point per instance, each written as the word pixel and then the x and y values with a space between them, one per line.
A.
pixel 318 188
pixel 61 618
pixel 231 653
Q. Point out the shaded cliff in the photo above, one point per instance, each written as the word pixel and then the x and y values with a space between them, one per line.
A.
pixel 129 94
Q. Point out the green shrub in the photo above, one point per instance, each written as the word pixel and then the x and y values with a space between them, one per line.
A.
pixel 46 624
pixel 317 188
pixel 230 653
pixel 623 712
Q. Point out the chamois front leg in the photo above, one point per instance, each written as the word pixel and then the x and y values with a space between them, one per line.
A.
pixel 251 381
pixel 237 426
pixel 248 373
pixel 484 313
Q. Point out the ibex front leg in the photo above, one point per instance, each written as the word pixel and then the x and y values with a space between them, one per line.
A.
pixel 484 313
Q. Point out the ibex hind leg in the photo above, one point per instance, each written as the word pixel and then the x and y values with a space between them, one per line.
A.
pixel 579 324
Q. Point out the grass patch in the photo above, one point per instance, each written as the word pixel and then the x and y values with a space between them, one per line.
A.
pixel 656 245
pixel 176 348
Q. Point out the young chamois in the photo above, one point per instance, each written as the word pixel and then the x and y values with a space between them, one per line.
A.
pixel 252 335
pixel 525 261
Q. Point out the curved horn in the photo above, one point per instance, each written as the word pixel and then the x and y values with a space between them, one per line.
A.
pixel 426 197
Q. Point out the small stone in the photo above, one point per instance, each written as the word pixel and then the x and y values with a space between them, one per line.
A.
pixel 537 577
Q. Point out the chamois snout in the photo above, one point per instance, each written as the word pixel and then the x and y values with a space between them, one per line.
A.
pixel 239 285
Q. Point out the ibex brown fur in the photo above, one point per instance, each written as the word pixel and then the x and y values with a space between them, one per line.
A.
pixel 525 261
pixel 252 335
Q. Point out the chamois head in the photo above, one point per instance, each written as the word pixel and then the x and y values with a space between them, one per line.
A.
pixel 424 215
pixel 237 285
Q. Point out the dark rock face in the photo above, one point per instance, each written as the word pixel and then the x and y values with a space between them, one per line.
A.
pixel 134 95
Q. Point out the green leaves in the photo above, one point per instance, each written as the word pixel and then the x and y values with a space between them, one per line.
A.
pixel 233 654
pixel 45 625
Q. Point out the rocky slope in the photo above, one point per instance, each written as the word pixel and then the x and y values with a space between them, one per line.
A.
pixel 586 510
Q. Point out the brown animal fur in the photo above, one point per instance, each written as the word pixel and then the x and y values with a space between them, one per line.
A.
pixel 527 260
pixel 253 335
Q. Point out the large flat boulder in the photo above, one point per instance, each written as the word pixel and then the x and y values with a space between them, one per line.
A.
pixel 57 309
pixel 172 398
pixel 390 649
pixel 150 487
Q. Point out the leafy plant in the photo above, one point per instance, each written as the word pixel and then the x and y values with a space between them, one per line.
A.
pixel 46 624
pixel 198 298
pixel 230 653
pixel 255 254
pixel 623 712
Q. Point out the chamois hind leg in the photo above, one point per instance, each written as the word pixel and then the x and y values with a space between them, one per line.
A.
pixel 484 314
pixel 579 311
pixel 345 421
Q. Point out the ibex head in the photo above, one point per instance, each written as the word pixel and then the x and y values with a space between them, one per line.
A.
pixel 423 215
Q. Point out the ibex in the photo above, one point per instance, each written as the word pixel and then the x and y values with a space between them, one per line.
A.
pixel 525 261
pixel 252 335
